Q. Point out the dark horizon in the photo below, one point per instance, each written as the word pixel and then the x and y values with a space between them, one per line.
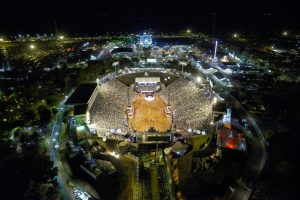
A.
pixel 95 17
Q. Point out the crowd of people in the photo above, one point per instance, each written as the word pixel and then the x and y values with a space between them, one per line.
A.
pixel 188 102
pixel 108 110
pixel 190 107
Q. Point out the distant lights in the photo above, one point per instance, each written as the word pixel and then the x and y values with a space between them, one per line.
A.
pixel 235 35
pixel 188 31
pixel 1 39
pixel 285 33
pixel 32 46
pixel 61 37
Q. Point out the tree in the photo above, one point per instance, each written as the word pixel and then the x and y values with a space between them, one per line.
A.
pixel 23 174
pixel 45 114
pixel 29 116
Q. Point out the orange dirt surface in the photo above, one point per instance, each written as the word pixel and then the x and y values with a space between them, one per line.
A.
pixel 149 114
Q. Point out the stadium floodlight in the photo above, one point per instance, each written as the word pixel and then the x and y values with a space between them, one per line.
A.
pixel 199 79
pixel 215 100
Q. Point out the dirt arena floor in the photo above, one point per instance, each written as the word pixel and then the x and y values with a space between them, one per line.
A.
pixel 149 114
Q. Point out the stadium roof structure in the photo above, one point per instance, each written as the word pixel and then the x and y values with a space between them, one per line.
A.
pixel 147 79
pixel 122 50
pixel 220 107
pixel 80 109
pixel 82 94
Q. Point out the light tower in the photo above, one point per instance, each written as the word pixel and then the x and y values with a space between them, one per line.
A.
pixel 215 52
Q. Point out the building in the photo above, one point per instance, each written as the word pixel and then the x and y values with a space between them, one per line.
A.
pixel 230 133
pixel 82 99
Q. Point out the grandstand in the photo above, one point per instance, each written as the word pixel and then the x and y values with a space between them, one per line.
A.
pixel 188 103
pixel 108 110
pixel 120 108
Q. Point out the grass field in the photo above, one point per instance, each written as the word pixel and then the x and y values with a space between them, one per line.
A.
pixel 149 114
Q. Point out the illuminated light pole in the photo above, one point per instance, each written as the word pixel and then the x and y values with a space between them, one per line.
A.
pixel 212 114
pixel 215 53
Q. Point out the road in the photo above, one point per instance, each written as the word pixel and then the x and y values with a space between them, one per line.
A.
pixel 54 155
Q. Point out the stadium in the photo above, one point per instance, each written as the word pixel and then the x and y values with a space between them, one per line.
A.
pixel 140 103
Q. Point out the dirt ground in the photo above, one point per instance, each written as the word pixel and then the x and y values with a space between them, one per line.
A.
pixel 149 114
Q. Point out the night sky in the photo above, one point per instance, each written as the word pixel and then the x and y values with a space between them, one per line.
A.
pixel 92 17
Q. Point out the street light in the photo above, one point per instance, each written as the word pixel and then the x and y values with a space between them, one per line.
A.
pixel 235 35
pixel 1 39
pixel 188 31
pixel 61 37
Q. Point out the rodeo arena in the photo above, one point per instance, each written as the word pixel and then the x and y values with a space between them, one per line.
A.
pixel 163 105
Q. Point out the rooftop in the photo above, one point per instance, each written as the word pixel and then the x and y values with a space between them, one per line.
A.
pixel 82 94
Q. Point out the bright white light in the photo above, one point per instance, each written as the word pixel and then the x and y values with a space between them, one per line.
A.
pixel 199 79
pixel 235 35
pixel 215 100
pixel 211 122
pixel 61 37
pixel 104 138
pixel 285 33
pixel 80 128
pixel 188 31
pixel 32 46
pixel 1 39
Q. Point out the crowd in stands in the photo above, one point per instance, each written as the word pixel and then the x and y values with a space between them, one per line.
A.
pixel 108 110
pixel 188 102
pixel 190 107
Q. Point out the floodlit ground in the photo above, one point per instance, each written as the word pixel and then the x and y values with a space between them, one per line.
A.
pixel 149 114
